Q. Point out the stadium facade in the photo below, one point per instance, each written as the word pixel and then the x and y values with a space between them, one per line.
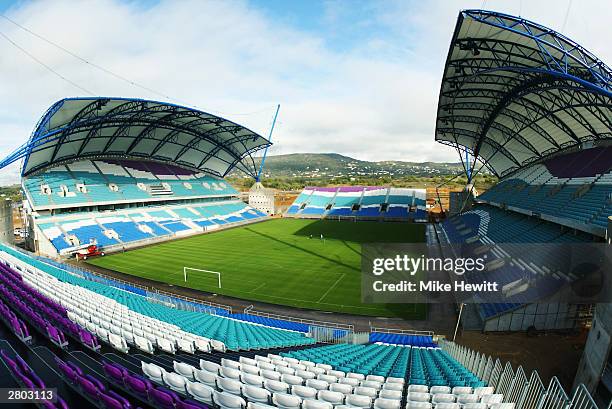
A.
pixel 121 173
pixel 535 108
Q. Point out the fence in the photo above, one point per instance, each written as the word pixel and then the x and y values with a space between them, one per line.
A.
pixel 328 335
pixel 176 301
pixel 323 324
pixel 188 303
pixel 515 386
pixel 401 331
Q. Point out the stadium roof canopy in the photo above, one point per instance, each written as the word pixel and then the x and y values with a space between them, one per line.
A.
pixel 515 92
pixel 82 128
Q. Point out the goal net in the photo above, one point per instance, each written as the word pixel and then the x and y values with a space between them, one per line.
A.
pixel 212 278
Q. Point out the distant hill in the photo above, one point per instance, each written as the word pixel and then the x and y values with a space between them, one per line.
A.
pixel 314 165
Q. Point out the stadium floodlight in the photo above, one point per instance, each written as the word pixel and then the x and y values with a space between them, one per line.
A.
pixel 203 271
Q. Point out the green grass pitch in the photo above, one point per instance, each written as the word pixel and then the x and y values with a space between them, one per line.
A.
pixel 277 262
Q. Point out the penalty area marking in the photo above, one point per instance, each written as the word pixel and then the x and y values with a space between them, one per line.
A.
pixel 332 287
pixel 257 288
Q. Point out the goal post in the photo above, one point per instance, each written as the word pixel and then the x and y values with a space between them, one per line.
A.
pixel 217 273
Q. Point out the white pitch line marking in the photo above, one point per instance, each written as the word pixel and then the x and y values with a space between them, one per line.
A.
pixel 331 288
pixel 257 288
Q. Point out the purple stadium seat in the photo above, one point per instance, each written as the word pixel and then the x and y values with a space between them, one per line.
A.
pixel 88 339
pixel 113 400
pixel 163 398
pixel 114 372
pixel 138 385
pixel 88 387
pixel 190 404
pixel 56 336
pixel 96 382
pixel 68 372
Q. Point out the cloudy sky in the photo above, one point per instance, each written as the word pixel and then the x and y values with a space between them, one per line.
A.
pixel 355 77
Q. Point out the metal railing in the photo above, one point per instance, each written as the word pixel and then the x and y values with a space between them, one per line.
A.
pixel 192 300
pixel 176 301
pixel 524 393
pixel 401 331
pixel 327 324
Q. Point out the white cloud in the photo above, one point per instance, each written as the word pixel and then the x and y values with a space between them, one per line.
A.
pixel 375 100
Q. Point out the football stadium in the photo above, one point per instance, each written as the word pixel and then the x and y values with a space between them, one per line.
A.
pixel 146 279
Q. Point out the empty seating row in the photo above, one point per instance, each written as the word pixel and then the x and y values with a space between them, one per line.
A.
pixel 114 323
pixel 40 311
pixel 27 378
pixel 233 334
pixel 402 339
pixel 359 201
pixel 96 391
pixel 380 360
pixel 290 391
pixel 90 182
pixel 575 186
pixel 114 228
pixel 487 225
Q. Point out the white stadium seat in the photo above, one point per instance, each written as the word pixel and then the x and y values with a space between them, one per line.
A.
pixel 255 394
pixel 250 379
pixel 229 385
pixel 292 380
pixel 272 375
pixel 468 398
pixel 335 398
pixel 200 392
pixel 418 405
pixel 418 397
pixel 304 392
pixel 184 369
pixel 327 378
pixel 318 384
pixel 439 389
pixel 447 405
pixel 341 387
pixel 229 373
pixel 365 391
pixel 350 381
pixel 285 401
pixel 442 397
pixel 394 386
pixel 276 386
pixel 416 388
pixel 492 398
pixel 153 372
pixel 228 363
pixel 228 401
pixel 210 366
pixel 359 376
pixel 477 405
pixel 175 382
pixel 118 342
pixel 360 401
pixel 484 390
pixel 462 390
pixel 316 404
pixel 257 405
pixel 205 377
pixel 384 403
pixel 375 378
pixel 389 394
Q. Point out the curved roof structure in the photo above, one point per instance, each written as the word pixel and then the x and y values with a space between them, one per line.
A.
pixel 80 128
pixel 515 92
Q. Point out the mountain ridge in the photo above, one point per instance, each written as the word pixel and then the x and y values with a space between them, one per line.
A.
pixel 337 165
